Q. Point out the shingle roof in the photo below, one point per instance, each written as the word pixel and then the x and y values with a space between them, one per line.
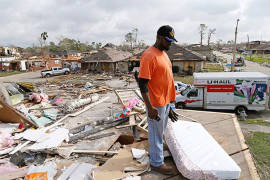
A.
pixel 176 53
pixel 179 53
pixel 107 55
pixel 198 47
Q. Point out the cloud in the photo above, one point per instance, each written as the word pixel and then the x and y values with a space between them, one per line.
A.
pixel 22 21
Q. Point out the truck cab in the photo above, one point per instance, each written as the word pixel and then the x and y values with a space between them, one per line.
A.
pixel 190 97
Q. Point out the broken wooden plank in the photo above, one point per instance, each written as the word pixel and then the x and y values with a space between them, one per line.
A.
pixel 124 126
pixel 10 115
pixel 100 136
pixel 95 130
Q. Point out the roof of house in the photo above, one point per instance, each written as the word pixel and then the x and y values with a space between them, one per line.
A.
pixel 262 47
pixel 179 53
pixel 198 47
pixel 176 53
pixel 107 55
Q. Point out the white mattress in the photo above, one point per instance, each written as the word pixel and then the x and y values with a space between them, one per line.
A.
pixel 196 153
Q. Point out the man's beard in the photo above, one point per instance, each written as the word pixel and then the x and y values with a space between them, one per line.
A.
pixel 165 48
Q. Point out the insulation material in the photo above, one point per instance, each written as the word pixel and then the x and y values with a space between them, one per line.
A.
pixel 37 98
pixel 6 166
pixel 5 140
pixel 72 105
pixel 196 153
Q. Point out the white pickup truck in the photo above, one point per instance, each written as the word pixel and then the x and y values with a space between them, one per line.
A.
pixel 55 71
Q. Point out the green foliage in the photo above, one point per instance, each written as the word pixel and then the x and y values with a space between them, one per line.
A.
pixel 259 145
pixel 256 121
pixel 63 44
pixel 184 79
pixel 214 67
pixel 44 36
pixel 258 58
pixel 2 74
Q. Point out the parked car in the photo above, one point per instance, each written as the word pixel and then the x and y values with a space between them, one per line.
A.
pixel 245 53
pixel 55 71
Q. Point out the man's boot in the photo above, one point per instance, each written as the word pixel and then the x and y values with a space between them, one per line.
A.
pixel 163 169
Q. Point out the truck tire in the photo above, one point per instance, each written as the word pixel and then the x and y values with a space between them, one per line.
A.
pixel 47 75
pixel 240 109
pixel 66 72
pixel 180 105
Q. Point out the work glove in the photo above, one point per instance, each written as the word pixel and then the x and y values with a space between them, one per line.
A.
pixel 173 115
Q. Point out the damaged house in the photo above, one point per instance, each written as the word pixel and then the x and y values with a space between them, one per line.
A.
pixel 132 63
pixel 206 51
pixel 261 49
pixel 106 59
pixel 184 61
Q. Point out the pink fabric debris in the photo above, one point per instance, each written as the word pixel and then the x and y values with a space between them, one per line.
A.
pixel 5 140
pixel 132 102
pixel 58 101
pixel 37 98
pixel 6 166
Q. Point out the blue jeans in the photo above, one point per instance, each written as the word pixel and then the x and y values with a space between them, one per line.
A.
pixel 155 135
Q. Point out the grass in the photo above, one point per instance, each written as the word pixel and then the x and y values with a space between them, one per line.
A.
pixel 258 58
pixel 184 79
pixel 259 145
pixel 3 74
pixel 213 67
pixel 256 121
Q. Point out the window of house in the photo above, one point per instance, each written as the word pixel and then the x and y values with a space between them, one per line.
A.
pixel 56 62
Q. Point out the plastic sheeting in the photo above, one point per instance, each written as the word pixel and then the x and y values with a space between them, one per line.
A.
pixel 49 168
pixel 77 172
pixel 196 153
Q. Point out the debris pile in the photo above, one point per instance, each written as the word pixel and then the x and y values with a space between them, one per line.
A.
pixel 79 127
pixel 47 131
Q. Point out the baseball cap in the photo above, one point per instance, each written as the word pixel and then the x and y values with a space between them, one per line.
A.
pixel 168 32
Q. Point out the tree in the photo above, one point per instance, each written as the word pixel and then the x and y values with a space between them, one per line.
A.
pixel 42 41
pixel 132 38
pixel 141 44
pixel 219 41
pixel 230 42
pixel 202 30
pixel 134 35
pixel 210 33
pixel 129 39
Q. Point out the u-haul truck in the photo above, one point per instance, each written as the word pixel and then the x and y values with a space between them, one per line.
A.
pixel 227 91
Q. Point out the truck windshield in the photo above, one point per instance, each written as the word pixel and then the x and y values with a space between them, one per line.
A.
pixel 185 91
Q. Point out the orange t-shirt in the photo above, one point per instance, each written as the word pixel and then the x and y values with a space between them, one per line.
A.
pixel 156 66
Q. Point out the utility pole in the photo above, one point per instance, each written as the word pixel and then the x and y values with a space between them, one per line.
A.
pixel 234 51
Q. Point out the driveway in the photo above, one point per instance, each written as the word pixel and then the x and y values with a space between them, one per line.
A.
pixel 26 77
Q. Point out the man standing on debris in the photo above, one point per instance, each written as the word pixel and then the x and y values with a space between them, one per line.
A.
pixel 157 88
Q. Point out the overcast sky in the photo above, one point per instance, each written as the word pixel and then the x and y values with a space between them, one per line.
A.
pixel 22 21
